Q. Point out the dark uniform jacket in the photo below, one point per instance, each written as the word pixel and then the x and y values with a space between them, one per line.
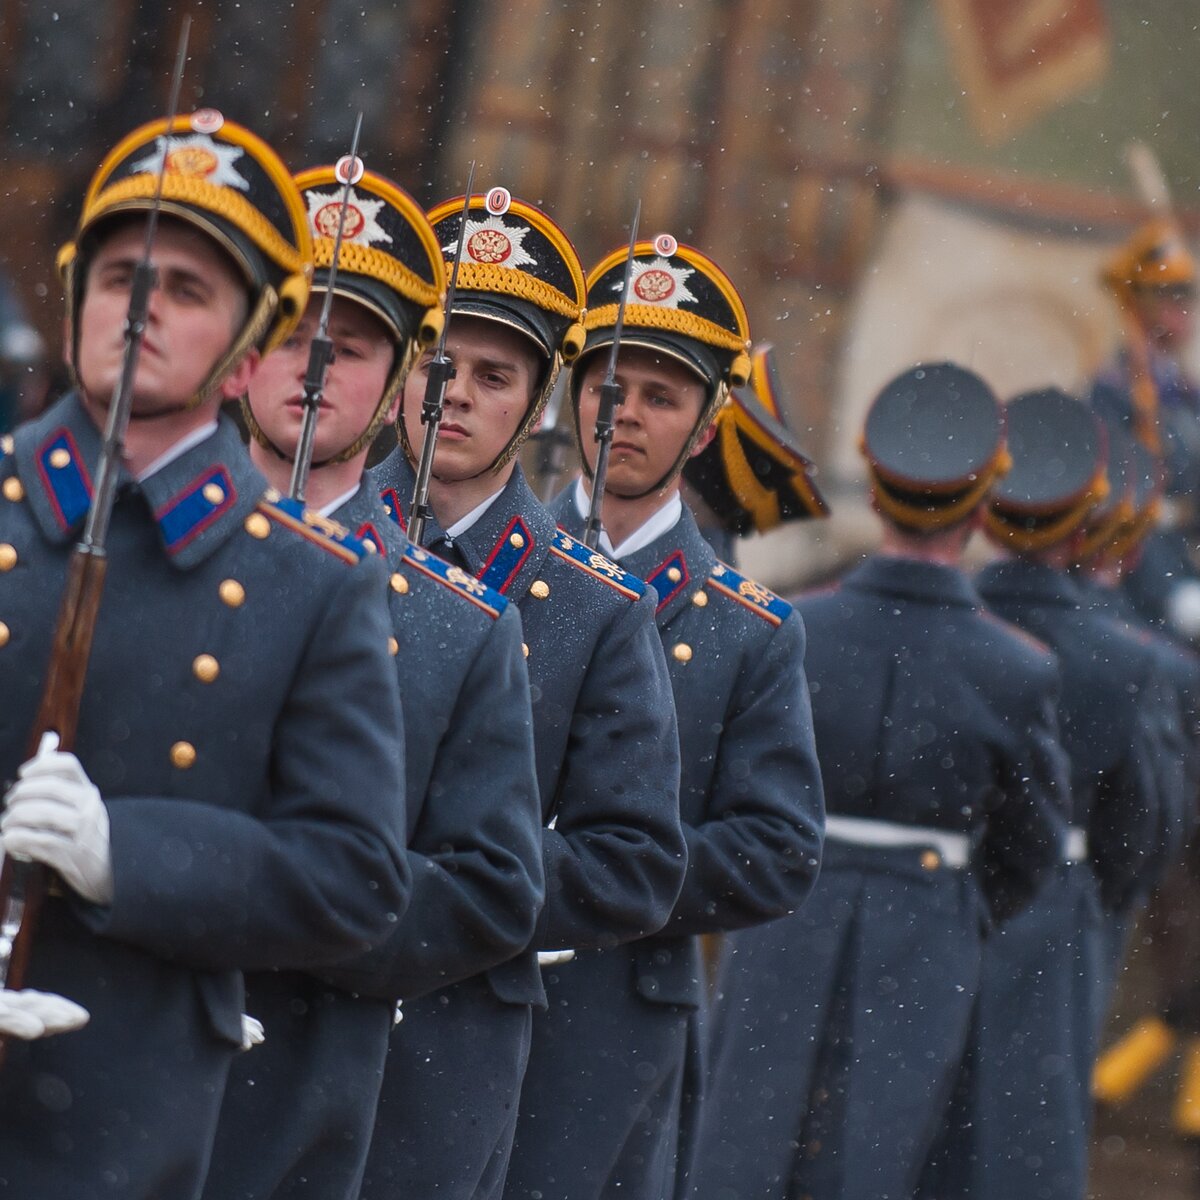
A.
pixel 935 713
pixel 604 724
pixel 1110 716
pixel 240 722
pixel 474 851
pixel 1179 767
pixel 750 796
pixel 474 816
pixel 927 713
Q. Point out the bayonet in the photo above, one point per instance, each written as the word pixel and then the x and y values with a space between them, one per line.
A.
pixel 611 398
pixel 348 171
pixel 440 372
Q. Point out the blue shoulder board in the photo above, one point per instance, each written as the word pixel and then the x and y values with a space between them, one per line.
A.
pixel 597 565
pixel 749 594
pixel 327 534
pixel 456 579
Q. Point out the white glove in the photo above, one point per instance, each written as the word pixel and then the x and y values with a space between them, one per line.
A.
pixel 31 1014
pixel 54 815
pixel 553 958
pixel 252 1032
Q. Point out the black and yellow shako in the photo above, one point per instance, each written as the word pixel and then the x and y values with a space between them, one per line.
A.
pixel 389 262
pixel 934 445
pixel 681 304
pixel 1058 476
pixel 520 269
pixel 753 474
pixel 230 184
pixel 1155 258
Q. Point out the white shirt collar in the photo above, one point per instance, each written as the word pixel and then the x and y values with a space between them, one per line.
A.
pixel 327 510
pixel 658 523
pixel 178 450
pixel 464 523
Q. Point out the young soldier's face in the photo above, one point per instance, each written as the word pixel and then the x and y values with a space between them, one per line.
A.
pixel 496 369
pixel 663 402
pixel 195 312
pixel 354 383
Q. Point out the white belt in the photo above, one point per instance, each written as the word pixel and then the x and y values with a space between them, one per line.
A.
pixel 954 848
pixel 1076 848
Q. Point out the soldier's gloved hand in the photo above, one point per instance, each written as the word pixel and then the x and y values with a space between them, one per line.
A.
pixel 54 815
pixel 252 1032
pixel 31 1014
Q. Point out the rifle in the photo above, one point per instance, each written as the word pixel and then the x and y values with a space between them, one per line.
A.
pixel 23 884
pixel 348 171
pixel 433 406
pixel 611 397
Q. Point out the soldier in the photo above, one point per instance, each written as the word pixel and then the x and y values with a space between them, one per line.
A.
pixel 838 1034
pixel 236 800
pixel 1114 545
pixel 1044 971
pixel 1147 392
pixel 604 726
pixel 752 476
pixel 750 793
pixel 474 822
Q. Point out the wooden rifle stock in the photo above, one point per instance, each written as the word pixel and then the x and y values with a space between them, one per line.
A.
pixel 23 885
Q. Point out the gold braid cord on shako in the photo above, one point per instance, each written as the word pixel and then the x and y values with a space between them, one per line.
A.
pixel 1059 473
pixel 222 179
pixel 753 475
pixel 681 304
pixel 389 262
pixel 520 269
pixel 926 510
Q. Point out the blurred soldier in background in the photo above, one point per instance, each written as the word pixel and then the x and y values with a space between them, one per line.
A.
pixel 1147 392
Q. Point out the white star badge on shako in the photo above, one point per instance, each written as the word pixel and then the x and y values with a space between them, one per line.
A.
pixel 660 281
pixel 494 243
pixel 324 209
pixel 196 155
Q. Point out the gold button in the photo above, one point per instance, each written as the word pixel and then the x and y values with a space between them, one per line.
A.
pixel 60 457
pixel 14 489
pixel 393 647
pixel 399 584
pixel 682 652
pixel 213 493
pixel 8 557
pixel 370 545
pixel 931 860
pixel 674 574
pixel 516 540
pixel 272 496
pixel 232 593
pixel 183 754
pixel 539 589
pixel 4 634
pixel 700 599
pixel 257 525
pixel 6 444
pixel 525 649
pixel 205 668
